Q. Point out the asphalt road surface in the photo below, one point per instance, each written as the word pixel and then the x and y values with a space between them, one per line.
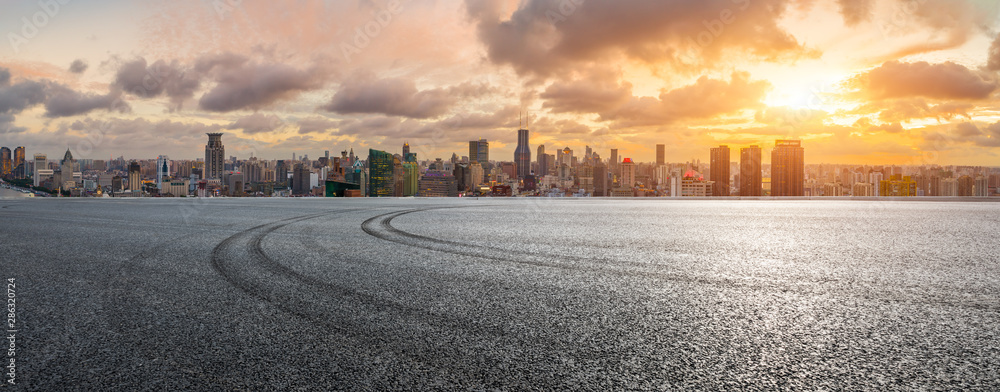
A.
pixel 512 294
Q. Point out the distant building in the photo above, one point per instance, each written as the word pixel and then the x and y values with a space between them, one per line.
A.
pixel 479 151
pixel 543 167
pixel 215 156
pixel 628 174
pixel 863 189
pixel 982 188
pixel 176 188
pixel 41 163
pixel 5 162
pixel 18 165
pixel 833 189
pixel 66 171
pixel 661 155
pixel 134 177
pixel 897 186
pixel 720 171
pixel 601 183
pixel 438 184
pixel 750 172
pixel 696 187
pixel 301 185
pixel 411 179
pixel 966 185
pixel 787 168
pixel 162 170
pixel 381 171
pixel 522 155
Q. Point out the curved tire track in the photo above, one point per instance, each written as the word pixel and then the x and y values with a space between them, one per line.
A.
pixel 379 324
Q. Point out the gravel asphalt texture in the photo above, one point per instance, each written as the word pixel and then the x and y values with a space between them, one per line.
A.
pixel 502 294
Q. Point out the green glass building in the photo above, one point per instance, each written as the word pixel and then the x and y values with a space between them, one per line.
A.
pixel 380 174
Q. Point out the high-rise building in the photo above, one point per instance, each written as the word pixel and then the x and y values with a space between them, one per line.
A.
pixel 720 171
pixel 215 155
pixel 67 170
pixel 301 181
pixel 381 179
pixel 628 173
pixel 966 186
pixel 18 165
pixel 615 173
pixel 522 155
pixel 162 170
pixel 479 151
pixel 134 177
pixel 661 154
pixel 543 167
pixel 565 157
pixel 600 179
pixel 787 168
pixel 41 163
pixel 407 155
pixel 750 172
pixel 5 161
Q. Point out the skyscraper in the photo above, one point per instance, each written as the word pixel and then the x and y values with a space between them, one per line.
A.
pixel 720 171
pixel 162 170
pixel 750 172
pixel 381 179
pixel 18 165
pixel 41 163
pixel 479 151
pixel 787 168
pixel 5 161
pixel 522 155
pixel 406 149
pixel 67 170
pixel 615 173
pixel 301 185
pixel 661 155
pixel 215 155
pixel 134 177
pixel 543 166
pixel 628 173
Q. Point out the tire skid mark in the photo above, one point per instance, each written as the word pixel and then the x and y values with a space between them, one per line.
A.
pixel 308 306
pixel 383 229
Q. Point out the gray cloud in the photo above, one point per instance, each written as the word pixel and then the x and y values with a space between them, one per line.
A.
pixel 17 97
pixel 78 66
pixel 257 123
pixel 395 97
pixel 947 80
pixel 545 36
pixel 705 98
pixel 316 125
pixel 160 78
pixel 856 11
pixel 63 102
pixel 254 86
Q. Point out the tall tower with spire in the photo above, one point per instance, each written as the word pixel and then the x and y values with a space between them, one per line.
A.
pixel 522 155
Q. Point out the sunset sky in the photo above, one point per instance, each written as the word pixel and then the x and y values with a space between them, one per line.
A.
pixel 859 81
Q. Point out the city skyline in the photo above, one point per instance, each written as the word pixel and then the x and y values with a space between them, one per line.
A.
pixel 863 81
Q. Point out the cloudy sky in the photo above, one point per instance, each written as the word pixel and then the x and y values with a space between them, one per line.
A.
pixel 859 81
